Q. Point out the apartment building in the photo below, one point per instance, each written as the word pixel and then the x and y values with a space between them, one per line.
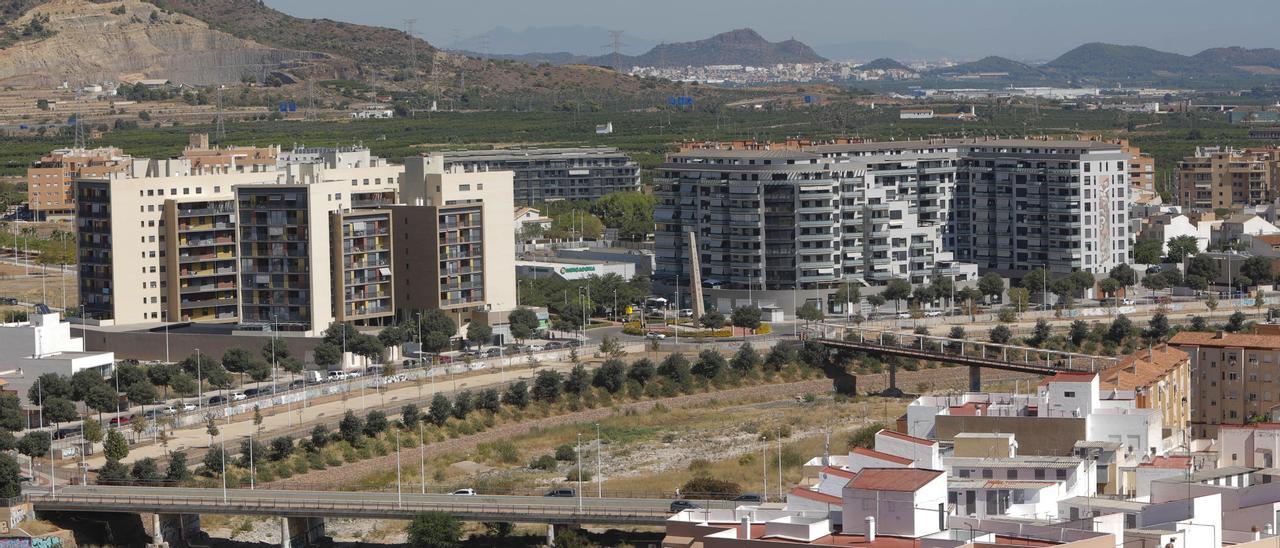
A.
pixel 549 174
pixel 1234 377
pixel 1218 177
pixel 49 180
pixel 237 244
pixel 801 217
pixel 1160 379
pixel 453 245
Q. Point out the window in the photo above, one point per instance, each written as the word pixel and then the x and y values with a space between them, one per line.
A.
pixel 1011 474
pixel 988 473
pixel 1039 473
pixel 1069 394
pixel 1060 474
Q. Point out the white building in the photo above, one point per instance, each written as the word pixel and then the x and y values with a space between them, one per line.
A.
pixel 896 502
pixel 1168 226
pixel 46 345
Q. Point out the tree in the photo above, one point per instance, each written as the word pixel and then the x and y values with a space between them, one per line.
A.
pixel 320 435
pixel 184 384
pixel 848 296
pixel 462 405
pixel 83 382
pixel 1158 327
pixel 1203 266
pixel 92 431
pixel 991 285
pixel 1020 298
pixel 809 312
pixel 351 428
pixel 410 415
pixel 393 335
pixel 10 477
pixel 375 423
pixel 1040 334
pixel 113 473
pixel 327 355
pixel 1198 323
pixel 641 371
pixel 516 395
pixel 280 448
pixel 572 538
pixel 876 301
pixel 1079 332
pixel 611 376
pixel 897 290
pixel 1181 247
pixel 162 375
pixel 1199 283
pixel 434 530
pixel 1035 281
pixel 1235 322
pixel 213 459
pixel 177 471
pixel 438 322
pixel 479 332
pixel 1123 274
pixel 1109 287
pixel 115 448
pixel 49 385
pixel 746 317
pixel 440 410
pixel 1257 269
pixel 141 393
pixel 1000 334
pixel 1146 252
pixel 1120 329
pixel 35 444
pixel 59 410
pixel 547 385
pixel 145 471
pixel 239 360
pixel 676 368
pixel 745 359
pixel 523 323
pixel 252 452
pixel 710 363
pixel 706 487
pixel 578 380
pixel 712 319
pixel 610 346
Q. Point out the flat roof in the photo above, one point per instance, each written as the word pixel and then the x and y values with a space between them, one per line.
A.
pixel 1101 502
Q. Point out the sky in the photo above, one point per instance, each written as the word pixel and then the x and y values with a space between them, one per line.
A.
pixel 964 29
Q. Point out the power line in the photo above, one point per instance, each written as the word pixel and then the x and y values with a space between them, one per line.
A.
pixel 413 50
pixel 617 49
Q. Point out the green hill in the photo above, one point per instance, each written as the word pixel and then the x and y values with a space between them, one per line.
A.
pixel 883 63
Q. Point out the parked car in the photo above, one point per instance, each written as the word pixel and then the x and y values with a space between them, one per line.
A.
pixel 749 497
pixel 904 315
pixel 933 313
pixel 374 370
pixel 238 396
pixel 188 407
pixel 493 353
pixel 564 493
pixel 678 505
pixel 354 374
pixel 252 392
pixel 553 345
pixel 654 335
pixel 338 375
pixel 296 384
pixel 120 421
pixel 573 343
pixel 1126 302
pixel 1154 269
pixel 217 400
pixel 169 410
pixel 468 492
pixel 686 313
pixel 8 300
pixel 537 348
pixel 66 432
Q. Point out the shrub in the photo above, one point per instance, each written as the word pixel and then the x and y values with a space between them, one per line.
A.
pixel 764 329
pixel 710 488
pixel 545 462
pixel 565 452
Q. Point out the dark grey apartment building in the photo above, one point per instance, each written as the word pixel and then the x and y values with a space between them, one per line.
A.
pixel 550 174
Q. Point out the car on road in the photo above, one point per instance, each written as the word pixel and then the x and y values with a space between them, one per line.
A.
pixel 686 313
pixel 120 421
pixel 1126 302
pixel 188 407
pixel 536 348
pixel 904 315
pixel 338 375
pixel 8 300
pixel 654 335
pixel 169 410
pixel 563 493
pixel 678 505
pixel 1153 269
pixel 493 353
pixel 238 396
pixel 296 384
pixel 468 492
pixel 933 313
pixel 66 432
pixel 573 343
pixel 553 345
pixel 749 497
pixel 217 400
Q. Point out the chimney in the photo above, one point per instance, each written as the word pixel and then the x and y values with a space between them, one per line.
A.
pixel 1218 335
pixel 871 529
pixel 744 530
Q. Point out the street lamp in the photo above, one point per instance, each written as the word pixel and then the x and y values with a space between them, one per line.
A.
pixel 599 478
pixel 579 452
pixel 199 383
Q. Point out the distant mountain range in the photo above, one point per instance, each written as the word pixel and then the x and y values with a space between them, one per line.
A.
pixel 567 41
pixel 736 47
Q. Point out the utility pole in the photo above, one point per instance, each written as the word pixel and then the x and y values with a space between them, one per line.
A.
pixel 616 44
pixel 220 131
pixel 413 51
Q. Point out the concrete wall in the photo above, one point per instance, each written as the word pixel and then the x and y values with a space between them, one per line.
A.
pixel 1035 435
pixel 149 345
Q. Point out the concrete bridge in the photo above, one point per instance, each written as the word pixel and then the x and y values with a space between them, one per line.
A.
pixel 176 510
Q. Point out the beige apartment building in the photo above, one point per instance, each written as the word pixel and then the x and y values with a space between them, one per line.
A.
pixel 1160 378
pixel 1216 177
pixel 1234 376
pixel 49 188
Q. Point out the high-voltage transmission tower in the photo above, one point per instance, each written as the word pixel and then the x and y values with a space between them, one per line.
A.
pixel 616 44
pixel 413 51
pixel 220 130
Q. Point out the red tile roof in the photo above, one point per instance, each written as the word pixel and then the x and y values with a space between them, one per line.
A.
pixel 814 495
pixel 880 456
pixel 1227 340
pixel 893 479
pixel 841 472
pixel 900 436
pixel 1069 376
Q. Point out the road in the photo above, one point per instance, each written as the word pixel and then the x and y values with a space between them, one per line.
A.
pixel 348 504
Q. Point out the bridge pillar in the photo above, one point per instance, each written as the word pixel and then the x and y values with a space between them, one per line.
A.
pixel 171 530
pixel 551 534
pixel 975 378
pixel 301 532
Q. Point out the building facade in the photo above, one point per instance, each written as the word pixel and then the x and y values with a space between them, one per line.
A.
pixel 1234 377
pixel 797 217
pixel 1217 177
pixel 550 174
pixel 49 181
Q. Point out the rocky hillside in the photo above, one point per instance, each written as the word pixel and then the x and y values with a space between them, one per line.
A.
pixel 736 47
pixel 81 42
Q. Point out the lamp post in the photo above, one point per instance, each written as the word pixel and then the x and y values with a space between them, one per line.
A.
pixel 579 452
pixel 599 478
pixel 199 383
pixel 399 493
pixel 422 458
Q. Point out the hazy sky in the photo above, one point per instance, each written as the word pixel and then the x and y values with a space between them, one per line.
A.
pixel 1023 29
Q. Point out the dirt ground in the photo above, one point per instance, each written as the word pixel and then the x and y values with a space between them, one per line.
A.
pixel 29 286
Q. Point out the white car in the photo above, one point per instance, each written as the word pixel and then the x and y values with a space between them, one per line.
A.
pixel 933 313
pixel 468 492
pixel 238 396
pixel 188 407
pixel 170 410
pixel 655 335
pixel 1127 302
pixel 904 315
pixel 536 348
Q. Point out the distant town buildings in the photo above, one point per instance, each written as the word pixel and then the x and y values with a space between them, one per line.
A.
pixel 1218 177
pixel 49 180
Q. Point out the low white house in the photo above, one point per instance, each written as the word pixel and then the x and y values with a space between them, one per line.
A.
pixel 45 344
pixel 902 502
